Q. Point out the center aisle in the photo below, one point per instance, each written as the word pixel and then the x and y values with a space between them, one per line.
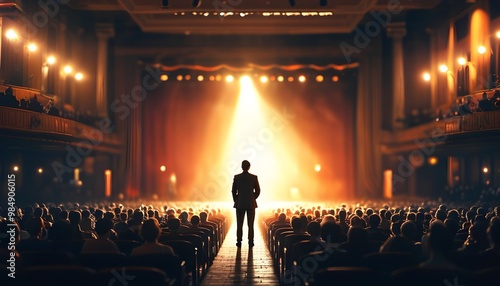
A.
pixel 244 265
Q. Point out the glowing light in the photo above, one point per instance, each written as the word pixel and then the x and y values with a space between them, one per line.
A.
pixel 432 161
pixel 443 68
pixel 481 50
pixel 179 77
pixel 32 47
pixel 388 183
pixel 264 79
pixel 15 168
pixel 218 77
pixel 11 35
pixel 290 79
pixel 211 78
pixel 200 78
pixel 317 167
pixel 426 76
pixel 294 191
pixel 173 178
pixel 76 174
pixel 281 78
pixel 256 132
pixel 498 34
pixel 78 76
pixel 485 170
pixel 335 78
pixel 462 61
pixel 51 60
pixel 163 77
pixel 229 78
pixel 68 69
pixel 187 77
pixel 40 170
pixel 163 168
pixel 302 78
pixel 107 183
pixel 320 78
pixel 245 81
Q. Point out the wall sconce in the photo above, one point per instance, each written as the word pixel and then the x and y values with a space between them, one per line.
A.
pixel 51 60
pixel 32 47
pixel 481 50
pixel 12 35
pixel 426 76
pixel 68 69
pixel 78 76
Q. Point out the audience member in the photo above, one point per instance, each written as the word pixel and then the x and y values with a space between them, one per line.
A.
pixel 103 229
pixel 150 233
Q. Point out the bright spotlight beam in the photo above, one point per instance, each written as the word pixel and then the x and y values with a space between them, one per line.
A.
pixel 265 137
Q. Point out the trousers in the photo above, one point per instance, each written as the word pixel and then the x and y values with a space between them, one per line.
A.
pixel 240 218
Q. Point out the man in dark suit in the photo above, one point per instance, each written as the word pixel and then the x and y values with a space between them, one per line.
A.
pixel 245 191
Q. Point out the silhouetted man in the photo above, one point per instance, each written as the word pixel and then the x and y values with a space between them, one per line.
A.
pixel 245 191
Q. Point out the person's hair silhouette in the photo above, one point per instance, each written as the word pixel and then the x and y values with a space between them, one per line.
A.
pixel 245 165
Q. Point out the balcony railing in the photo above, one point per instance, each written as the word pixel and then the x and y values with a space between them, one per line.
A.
pixel 30 121
pixel 473 122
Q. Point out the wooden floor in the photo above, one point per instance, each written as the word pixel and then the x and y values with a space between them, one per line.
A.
pixel 244 265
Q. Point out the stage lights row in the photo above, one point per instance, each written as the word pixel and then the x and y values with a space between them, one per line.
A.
pixel 256 14
pixel 262 78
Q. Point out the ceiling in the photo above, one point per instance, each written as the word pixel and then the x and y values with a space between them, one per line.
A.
pixel 243 17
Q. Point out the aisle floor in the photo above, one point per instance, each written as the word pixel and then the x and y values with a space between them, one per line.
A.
pixel 244 265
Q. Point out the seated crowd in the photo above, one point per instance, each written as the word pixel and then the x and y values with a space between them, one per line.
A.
pixel 383 245
pixel 366 243
pixel 471 192
pixel 462 106
pixel 178 243
pixel 9 99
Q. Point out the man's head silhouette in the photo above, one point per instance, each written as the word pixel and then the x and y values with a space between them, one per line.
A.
pixel 245 165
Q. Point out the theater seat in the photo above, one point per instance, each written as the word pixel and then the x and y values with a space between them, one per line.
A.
pixel 352 276
pixel 489 276
pixel 132 276
pixel 188 253
pixel 126 246
pixel 102 260
pixel 430 276
pixel 42 257
pixel 172 266
pixel 389 262
pixel 56 275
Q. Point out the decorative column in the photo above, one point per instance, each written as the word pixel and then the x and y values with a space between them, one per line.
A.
pixel 480 37
pixel 103 32
pixel 397 31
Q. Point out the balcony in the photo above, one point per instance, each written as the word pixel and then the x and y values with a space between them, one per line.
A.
pixel 467 129
pixel 39 126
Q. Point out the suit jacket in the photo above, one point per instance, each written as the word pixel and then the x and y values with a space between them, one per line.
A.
pixel 245 191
